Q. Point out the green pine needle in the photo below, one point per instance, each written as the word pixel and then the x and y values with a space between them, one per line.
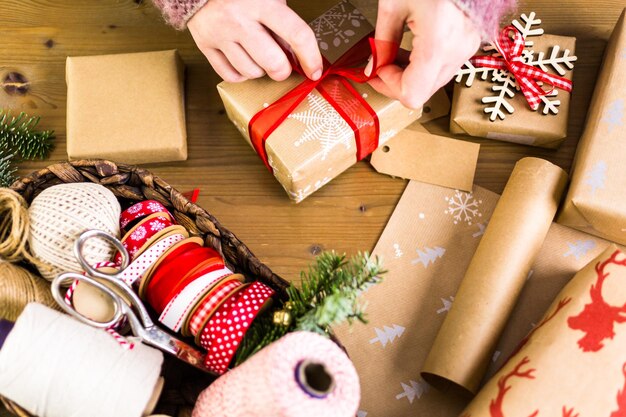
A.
pixel 328 296
pixel 20 141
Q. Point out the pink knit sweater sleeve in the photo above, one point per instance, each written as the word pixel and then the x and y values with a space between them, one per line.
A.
pixel 485 13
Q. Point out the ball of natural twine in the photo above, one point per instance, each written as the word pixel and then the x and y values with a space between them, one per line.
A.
pixel 14 227
pixel 19 287
pixel 60 214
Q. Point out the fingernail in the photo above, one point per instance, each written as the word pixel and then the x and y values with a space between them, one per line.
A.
pixel 316 75
pixel 369 67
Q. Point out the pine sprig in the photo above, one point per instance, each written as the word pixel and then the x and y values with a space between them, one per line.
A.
pixel 20 141
pixel 328 295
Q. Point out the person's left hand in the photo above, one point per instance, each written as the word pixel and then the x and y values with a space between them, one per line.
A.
pixel 444 39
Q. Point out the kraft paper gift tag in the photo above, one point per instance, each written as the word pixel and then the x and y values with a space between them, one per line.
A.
pixel 520 123
pixel 520 222
pixel 314 144
pixel 426 247
pixel 596 202
pixel 573 363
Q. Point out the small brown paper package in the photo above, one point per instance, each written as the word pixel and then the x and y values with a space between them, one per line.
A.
pixel 596 202
pixel 426 247
pixel 519 124
pixel 314 144
pixel 573 363
pixel 126 107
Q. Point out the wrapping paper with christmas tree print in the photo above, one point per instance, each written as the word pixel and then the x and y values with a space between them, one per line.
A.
pixel 426 247
pixel 573 363
pixel 494 279
pixel 521 125
pixel 314 144
pixel 596 202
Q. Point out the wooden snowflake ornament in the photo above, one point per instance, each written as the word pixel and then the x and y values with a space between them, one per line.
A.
pixel 512 66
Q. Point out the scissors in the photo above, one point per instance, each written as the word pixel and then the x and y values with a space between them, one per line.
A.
pixel 140 322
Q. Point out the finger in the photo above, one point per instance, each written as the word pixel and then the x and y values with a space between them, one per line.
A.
pixel 264 50
pixel 390 77
pixel 390 21
pixel 221 65
pixel 378 85
pixel 418 80
pixel 285 23
pixel 241 61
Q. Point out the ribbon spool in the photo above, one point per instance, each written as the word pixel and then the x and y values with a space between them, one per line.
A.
pixel 98 377
pixel 300 375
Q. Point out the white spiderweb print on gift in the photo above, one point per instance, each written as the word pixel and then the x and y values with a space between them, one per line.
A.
pixel 499 101
pixel 463 207
pixel 325 125
pixel 333 24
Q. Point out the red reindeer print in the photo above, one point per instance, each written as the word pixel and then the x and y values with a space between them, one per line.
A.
pixel 569 413
pixel 598 318
pixel 495 406
pixel 621 398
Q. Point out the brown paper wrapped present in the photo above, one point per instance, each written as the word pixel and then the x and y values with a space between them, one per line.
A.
pixel 126 107
pixel 426 247
pixel 488 103
pixel 314 143
pixel 573 363
pixel 596 202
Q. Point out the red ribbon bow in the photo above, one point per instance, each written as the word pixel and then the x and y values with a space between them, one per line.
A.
pixel 526 75
pixel 334 86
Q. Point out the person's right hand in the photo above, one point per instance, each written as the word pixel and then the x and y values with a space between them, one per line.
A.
pixel 236 38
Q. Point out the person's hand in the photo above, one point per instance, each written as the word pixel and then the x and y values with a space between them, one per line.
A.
pixel 444 39
pixel 236 36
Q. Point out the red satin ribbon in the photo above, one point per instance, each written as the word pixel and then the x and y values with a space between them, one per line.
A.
pixel 526 75
pixel 334 86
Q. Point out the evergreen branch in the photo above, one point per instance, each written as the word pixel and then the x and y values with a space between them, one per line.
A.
pixel 328 295
pixel 7 172
pixel 19 137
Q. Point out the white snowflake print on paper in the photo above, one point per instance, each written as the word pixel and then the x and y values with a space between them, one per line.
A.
pixel 412 390
pixel 300 194
pixel 580 248
pixel 428 255
pixel 463 207
pixel 447 304
pixel 387 334
pixel 481 230
pixel 397 252
pixel 596 177
pixel 333 24
pixel 324 125
pixel 505 86
pixel 614 115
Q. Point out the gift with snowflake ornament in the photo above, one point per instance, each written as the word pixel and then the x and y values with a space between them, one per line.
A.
pixel 518 88
pixel 595 202
pixel 308 132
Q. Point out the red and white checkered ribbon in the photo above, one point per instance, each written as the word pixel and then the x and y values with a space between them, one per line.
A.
pixel 526 75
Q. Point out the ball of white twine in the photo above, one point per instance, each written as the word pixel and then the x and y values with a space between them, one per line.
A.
pixel 60 214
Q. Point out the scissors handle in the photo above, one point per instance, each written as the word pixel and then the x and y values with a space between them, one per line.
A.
pixel 67 278
pixel 98 234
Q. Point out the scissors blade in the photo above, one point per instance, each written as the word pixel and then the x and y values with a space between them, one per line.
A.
pixel 158 338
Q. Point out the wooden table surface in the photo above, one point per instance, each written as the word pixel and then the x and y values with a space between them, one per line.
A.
pixel 349 213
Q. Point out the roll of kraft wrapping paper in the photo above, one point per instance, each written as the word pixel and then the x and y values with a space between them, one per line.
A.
pixel 54 366
pixel 300 375
pixel 496 275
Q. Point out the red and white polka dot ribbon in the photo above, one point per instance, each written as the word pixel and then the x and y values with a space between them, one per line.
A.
pixel 139 266
pixel 209 304
pixel 226 329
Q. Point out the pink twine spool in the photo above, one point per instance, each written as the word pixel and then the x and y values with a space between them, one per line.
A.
pixel 301 375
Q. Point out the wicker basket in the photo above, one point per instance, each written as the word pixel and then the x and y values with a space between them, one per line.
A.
pixel 131 184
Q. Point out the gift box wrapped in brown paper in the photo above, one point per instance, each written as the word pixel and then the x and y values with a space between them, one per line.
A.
pixel 573 363
pixel 596 202
pixel 314 143
pixel 427 245
pixel 488 103
pixel 126 107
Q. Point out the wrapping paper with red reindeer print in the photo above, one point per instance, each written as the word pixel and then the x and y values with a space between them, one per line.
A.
pixel 573 363
pixel 426 247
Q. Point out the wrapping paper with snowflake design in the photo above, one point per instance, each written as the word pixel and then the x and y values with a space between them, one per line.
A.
pixel 314 144
pixel 573 363
pixel 596 202
pixel 426 247
pixel 488 103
